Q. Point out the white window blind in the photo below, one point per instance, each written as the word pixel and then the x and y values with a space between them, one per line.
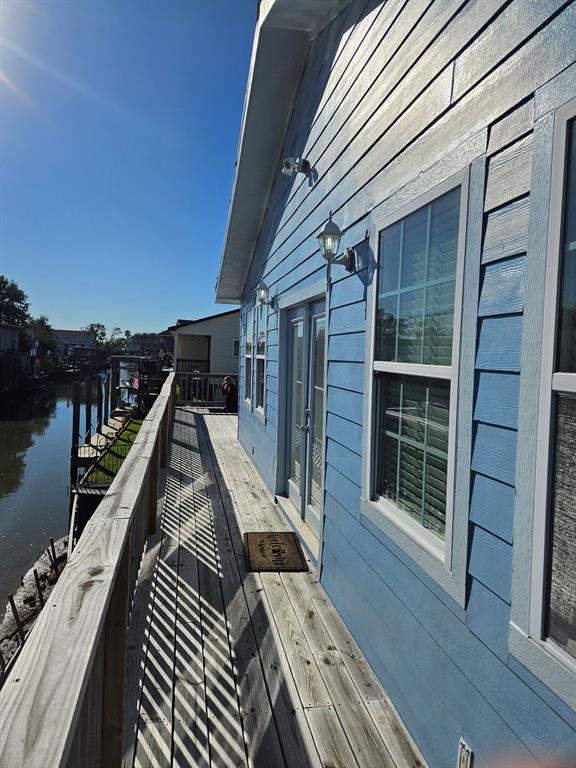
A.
pixel 413 359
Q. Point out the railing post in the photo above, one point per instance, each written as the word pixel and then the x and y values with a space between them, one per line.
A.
pixel 164 437
pixel 153 488
pixel 115 638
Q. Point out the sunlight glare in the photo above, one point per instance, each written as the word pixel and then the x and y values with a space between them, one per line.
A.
pixel 12 87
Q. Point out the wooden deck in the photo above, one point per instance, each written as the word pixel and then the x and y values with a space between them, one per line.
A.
pixel 229 668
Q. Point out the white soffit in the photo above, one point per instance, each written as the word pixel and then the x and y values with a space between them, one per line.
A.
pixel 281 42
pixel 306 15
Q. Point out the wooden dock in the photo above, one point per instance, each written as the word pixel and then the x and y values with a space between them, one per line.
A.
pixel 91 452
pixel 229 668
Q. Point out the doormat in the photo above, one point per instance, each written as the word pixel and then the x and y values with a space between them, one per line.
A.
pixel 274 552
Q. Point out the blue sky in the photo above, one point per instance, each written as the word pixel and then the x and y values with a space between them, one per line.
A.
pixel 119 122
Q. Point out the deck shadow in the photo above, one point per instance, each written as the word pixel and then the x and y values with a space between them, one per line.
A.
pixel 213 690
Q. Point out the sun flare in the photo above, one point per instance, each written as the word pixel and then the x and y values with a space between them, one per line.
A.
pixel 14 90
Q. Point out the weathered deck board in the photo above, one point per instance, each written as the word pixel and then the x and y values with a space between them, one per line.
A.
pixel 237 668
pixel 137 637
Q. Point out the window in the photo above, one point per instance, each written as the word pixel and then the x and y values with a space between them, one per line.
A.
pixel 248 358
pixel 542 629
pixel 414 368
pixel 236 348
pixel 560 600
pixel 261 320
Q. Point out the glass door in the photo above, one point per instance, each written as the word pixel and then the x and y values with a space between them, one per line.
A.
pixel 306 411
pixel 296 398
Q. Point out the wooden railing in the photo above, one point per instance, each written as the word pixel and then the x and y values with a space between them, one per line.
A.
pixel 62 702
pixel 186 365
pixel 202 388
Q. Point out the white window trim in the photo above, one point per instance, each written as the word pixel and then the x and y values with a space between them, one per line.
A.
pixel 434 555
pixel 316 291
pixel 550 384
pixel 260 410
pixel 554 106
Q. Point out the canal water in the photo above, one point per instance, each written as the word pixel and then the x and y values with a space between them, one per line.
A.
pixel 35 435
pixel 35 438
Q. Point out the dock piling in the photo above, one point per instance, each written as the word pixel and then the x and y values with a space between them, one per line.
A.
pixel 39 588
pixel 75 431
pixel 98 404
pixel 106 397
pixel 54 558
pixel 88 409
pixel 16 617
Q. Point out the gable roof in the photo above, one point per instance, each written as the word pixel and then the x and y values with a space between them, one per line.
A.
pixel 185 323
pixel 73 336
pixel 283 32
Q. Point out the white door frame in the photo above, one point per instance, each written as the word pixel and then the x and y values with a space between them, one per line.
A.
pixel 316 291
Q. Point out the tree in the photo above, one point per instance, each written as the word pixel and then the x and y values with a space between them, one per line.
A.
pixel 14 307
pixel 99 329
pixel 116 343
pixel 44 334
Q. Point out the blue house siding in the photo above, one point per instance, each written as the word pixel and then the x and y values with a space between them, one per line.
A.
pixel 396 97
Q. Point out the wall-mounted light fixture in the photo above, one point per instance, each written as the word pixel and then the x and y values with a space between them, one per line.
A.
pixel 263 294
pixel 329 240
pixel 292 165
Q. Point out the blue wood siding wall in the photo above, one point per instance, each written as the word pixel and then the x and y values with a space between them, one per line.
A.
pixel 393 96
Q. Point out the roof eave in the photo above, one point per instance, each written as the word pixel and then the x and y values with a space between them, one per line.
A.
pixel 281 41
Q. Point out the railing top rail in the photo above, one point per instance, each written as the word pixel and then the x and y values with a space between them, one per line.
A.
pixel 207 374
pixel 41 701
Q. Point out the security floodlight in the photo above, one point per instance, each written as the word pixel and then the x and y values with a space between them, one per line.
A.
pixel 292 165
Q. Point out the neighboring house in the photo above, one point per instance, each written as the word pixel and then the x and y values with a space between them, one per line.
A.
pixel 76 345
pixel 151 344
pixel 416 417
pixel 18 352
pixel 11 337
pixel 209 344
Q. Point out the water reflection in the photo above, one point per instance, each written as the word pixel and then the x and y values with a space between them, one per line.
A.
pixel 35 439
pixel 21 421
pixel 35 430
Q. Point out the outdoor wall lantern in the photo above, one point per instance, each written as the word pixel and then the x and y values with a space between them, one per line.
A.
pixel 263 294
pixel 329 240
